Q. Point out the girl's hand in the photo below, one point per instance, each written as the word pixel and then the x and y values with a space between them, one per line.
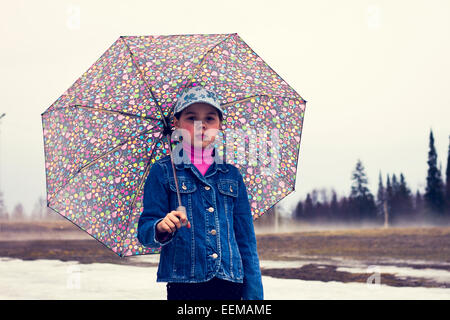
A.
pixel 172 221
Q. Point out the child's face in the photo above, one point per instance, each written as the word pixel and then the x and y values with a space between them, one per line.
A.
pixel 201 121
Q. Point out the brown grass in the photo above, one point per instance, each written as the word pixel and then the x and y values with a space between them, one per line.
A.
pixel 413 247
pixel 375 245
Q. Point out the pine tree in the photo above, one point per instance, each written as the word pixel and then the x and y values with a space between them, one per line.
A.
pixel 405 199
pixel 319 211
pixel 381 196
pixel 395 201
pixel 434 191
pixel 344 209
pixel 334 207
pixel 447 181
pixel 362 199
pixel 299 212
pixel 324 212
pixel 418 206
pixel 308 207
pixel 389 197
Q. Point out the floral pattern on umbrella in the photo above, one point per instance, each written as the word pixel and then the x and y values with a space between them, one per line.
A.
pixel 102 135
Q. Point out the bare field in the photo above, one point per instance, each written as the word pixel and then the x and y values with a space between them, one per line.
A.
pixel 375 245
pixel 412 247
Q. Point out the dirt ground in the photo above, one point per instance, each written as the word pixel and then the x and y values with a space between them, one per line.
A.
pixel 418 248
pixel 375 245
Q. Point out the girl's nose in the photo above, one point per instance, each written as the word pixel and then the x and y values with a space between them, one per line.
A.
pixel 201 125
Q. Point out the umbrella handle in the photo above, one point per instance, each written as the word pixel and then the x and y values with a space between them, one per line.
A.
pixel 180 207
pixel 183 209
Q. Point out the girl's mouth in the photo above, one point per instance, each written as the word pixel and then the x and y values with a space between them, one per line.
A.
pixel 199 137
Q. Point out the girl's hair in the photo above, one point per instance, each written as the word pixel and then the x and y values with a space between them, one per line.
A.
pixel 178 114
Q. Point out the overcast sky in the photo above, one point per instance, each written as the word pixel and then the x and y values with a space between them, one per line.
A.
pixel 376 76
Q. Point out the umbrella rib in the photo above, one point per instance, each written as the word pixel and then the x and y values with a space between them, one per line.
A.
pixel 144 177
pixel 146 171
pixel 93 162
pixel 145 81
pixel 269 66
pixel 203 59
pixel 89 108
pixel 244 99
pixel 256 96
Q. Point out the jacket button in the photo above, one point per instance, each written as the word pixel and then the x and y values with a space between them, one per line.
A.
pixel 213 232
pixel 207 188
pixel 211 209
pixel 214 255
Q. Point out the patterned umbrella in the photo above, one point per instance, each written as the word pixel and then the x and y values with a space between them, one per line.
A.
pixel 104 133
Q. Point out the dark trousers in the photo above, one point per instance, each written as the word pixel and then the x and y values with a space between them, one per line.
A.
pixel 214 289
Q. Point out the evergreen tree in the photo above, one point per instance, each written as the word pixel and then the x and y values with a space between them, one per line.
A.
pixel 447 182
pixel 324 210
pixel 319 211
pixel 299 212
pixel 395 201
pixel 418 206
pixel 308 207
pixel 345 213
pixel 389 196
pixel 381 196
pixel 334 207
pixel 434 191
pixel 405 198
pixel 361 198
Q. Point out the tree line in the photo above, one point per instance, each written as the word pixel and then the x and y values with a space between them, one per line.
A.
pixel 394 202
pixel 40 211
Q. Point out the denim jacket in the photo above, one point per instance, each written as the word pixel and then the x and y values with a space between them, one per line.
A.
pixel 221 241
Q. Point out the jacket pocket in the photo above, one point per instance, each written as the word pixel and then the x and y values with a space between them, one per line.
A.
pixel 185 185
pixel 228 187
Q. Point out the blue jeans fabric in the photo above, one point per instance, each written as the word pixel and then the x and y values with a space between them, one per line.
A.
pixel 221 242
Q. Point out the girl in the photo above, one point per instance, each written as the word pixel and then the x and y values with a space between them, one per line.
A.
pixel 214 256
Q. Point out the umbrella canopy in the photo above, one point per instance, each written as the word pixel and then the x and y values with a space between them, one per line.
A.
pixel 104 133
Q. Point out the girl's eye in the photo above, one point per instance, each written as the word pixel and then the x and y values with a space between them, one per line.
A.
pixel 193 118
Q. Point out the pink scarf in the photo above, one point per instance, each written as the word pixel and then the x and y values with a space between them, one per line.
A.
pixel 201 158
